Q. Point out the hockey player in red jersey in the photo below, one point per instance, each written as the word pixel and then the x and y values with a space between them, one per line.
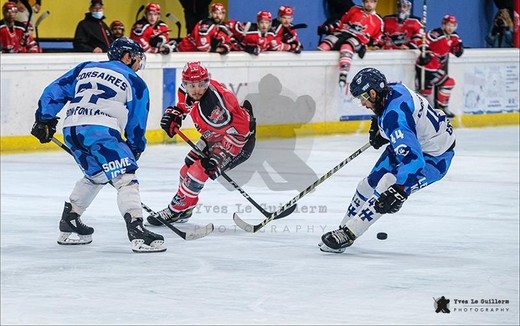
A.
pixel 260 37
pixel 359 27
pixel 440 42
pixel 228 136
pixel 209 35
pixel 14 36
pixel 151 32
pixel 285 35
pixel 402 30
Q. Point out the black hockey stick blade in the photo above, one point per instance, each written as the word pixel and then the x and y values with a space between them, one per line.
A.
pixel 298 26
pixel 255 227
pixel 138 13
pixel 176 21
pixel 199 232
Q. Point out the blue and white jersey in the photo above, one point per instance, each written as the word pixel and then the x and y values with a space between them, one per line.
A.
pixel 414 129
pixel 106 93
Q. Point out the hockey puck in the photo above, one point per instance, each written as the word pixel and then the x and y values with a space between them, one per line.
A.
pixel 382 236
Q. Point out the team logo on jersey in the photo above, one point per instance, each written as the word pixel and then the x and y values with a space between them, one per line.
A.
pixel 402 150
pixel 218 115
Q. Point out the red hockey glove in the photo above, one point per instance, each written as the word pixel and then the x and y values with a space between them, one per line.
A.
pixel 171 120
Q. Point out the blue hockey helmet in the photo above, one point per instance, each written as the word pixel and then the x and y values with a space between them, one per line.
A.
pixel 367 79
pixel 124 45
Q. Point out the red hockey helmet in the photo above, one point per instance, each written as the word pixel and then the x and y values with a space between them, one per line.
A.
pixel 152 7
pixel 194 72
pixel 264 15
pixel 449 19
pixel 9 6
pixel 285 11
pixel 218 7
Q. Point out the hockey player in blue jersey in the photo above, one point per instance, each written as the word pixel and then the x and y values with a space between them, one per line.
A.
pixel 104 127
pixel 419 152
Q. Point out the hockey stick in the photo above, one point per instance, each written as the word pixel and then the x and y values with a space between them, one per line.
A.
pixel 139 12
pixel 298 26
pixel 198 232
pixel 176 21
pixel 37 24
pixel 423 47
pixel 253 228
pixel 233 183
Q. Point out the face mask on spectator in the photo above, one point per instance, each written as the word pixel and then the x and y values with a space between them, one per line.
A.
pixel 97 14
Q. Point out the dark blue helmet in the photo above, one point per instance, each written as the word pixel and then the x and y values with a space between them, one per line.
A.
pixel 367 79
pixel 124 44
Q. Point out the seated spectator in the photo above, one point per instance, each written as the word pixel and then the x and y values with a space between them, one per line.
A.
pixel 92 34
pixel 209 35
pixel 285 35
pixel 402 30
pixel 151 32
pixel 501 34
pixel 260 37
pixel 117 28
pixel 14 37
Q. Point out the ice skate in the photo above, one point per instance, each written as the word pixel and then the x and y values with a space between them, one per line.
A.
pixel 337 241
pixel 170 216
pixel 71 225
pixel 142 239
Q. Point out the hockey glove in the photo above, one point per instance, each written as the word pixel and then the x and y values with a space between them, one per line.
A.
pixel 171 120
pixel 457 50
pixel 252 49
pixel 362 50
pixel 211 167
pixel 375 138
pixel 44 130
pixel 423 61
pixel 391 200
pixel 157 41
pixel 287 37
pixel 323 29
pixel 215 162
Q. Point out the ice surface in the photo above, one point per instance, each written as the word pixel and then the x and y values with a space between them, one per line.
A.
pixel 458 238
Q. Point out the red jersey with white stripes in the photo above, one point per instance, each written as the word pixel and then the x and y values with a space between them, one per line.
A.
pixel 365 26
pixel 402 34
pixel 441 45
pixel 149 36
pixel 264 41
pixel 217 116
pixel 12 40
pixel 205 34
